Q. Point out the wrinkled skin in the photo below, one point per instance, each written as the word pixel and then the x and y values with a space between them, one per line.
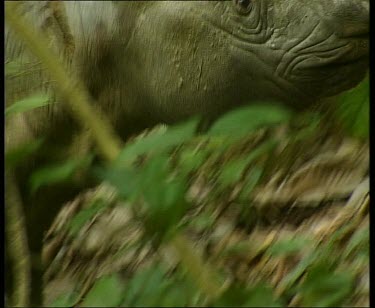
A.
pixel 291 51
pixel 147 62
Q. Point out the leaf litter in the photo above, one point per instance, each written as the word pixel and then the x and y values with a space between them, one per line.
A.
pixel 301 226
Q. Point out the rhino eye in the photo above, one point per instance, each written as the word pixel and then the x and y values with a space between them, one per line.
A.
pixel 243 6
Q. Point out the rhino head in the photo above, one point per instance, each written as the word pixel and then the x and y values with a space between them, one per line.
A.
pixel 308 49
pixel 189 57
pixel 146 62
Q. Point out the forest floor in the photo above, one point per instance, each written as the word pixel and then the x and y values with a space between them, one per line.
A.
pixel 291 227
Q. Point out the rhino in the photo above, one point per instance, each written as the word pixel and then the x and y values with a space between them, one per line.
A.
pixel 149 62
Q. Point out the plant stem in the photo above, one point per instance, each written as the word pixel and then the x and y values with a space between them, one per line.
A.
pixel 17 248
pixel 200 272
pixel 102 133
pixel 70 87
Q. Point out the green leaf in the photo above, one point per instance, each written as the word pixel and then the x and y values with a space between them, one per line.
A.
pixel 84 215
pixel 354 109
pixel 191 160
pixel 158 142
pixel 107 292
pixel 260 295
pixel 232 171
pixel 65 300
pixel 251 181
pixel 176 295
pixel 13 68
pixel 359 241
pixel 291 278
pixel 247 119
pixel 323 287
pixel 151 287
pixel 287 247
pixel 58 173
pixel 17 155
pixel 32 102
pixel 202 222
pixel 164 196
pixel 146 288
pixel 308 124
pixel 241 248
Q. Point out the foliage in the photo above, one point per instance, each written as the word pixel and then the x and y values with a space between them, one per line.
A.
pixel 158 192
pixel 58 173
pixel 16 156
pixel 159 195
pixel 260 295
pixel 152 175
pixel 29 103
pixel 13 67
pixel 244 120
pixel 324 288
pixel 354 110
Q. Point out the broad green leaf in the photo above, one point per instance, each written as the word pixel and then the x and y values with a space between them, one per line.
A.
pixel 107 292
pixel 15 156
pixel 262 296
pixel 238 249
pixel 235 295
pixel 251 181
pixel 125 179
pixel 247 119
pixel 288 246
pixel 359 241
pixel 158 142
pixel 146 288
pixel 232 171
pixel 165 197
pixel 291 278
pixel 308 124
pixel 134 287
pixel 58 173
pixel 176 295
pixel 84 215
pixel 322 287
pixel 190 160
pixel 65 300
pixel 354 109
pixel 238 295
pixel 152 288
pixel 29 103
pixel 202 222
pixel 13 68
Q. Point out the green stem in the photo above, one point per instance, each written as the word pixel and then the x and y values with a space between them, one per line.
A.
pixel 102 133
pixel 200 272
pixel 70 87
pixel 17 248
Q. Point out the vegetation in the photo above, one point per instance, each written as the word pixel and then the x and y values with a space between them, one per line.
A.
pixel 246 214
